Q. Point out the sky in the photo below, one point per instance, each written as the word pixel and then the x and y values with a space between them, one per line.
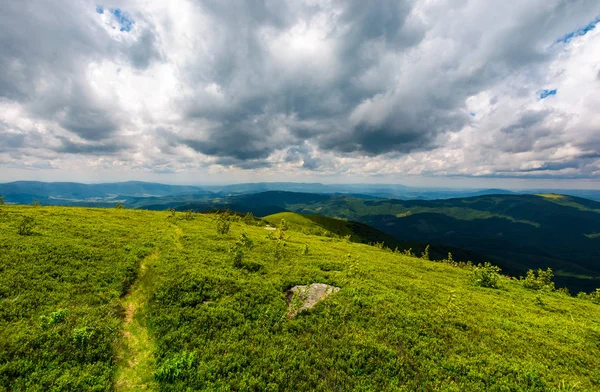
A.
pixel 475 93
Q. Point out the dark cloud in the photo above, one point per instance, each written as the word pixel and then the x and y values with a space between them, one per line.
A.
pixel 96 148
pixel 525 132
pixel 11 141
pixel 241 61
pixel 305 156
pixel 415 106
pixel 312 82
pixel 144 51
pixel 246 164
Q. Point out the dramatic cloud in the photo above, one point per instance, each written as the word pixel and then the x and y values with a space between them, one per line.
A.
pixel 311 88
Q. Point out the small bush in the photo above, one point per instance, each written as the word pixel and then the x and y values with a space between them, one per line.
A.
pixel 283 225
pixel 171 212
pixel 425 254
pixel 354 269
pixel 119 206
pixel 174 367
pixel 249 219
pixel 594 296
pixel 279 251
pixel 305 250
pixel 83 335
pixel 26 226
pixel 36 203
pixel 244 241
pixel 55 318
pixel 543 280
pixel 223 224
pixel 408 252
pixel 2 200
pixel 237 256
pixel 486 275
pixel 564 291
pixel 189 215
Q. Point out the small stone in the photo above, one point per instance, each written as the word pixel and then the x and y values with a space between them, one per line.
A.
pixel 300 298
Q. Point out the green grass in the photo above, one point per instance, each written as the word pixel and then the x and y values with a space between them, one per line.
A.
pixel 169 311
pixel 312 224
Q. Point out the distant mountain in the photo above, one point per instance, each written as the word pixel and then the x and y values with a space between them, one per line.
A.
pixel 137 194
pixel 492 192
pixel 71 193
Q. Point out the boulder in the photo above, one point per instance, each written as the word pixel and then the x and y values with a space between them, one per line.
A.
pixel 300 298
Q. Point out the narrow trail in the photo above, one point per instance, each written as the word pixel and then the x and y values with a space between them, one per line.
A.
pixel 177 237
pixel 135 360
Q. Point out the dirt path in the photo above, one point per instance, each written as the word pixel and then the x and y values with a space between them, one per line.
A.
pixel 135 361
pixel 177 237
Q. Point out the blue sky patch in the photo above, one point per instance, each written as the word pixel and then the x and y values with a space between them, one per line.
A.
pixel 579 32
pixel 125 21
pixel 473 114
pixel 546 93
pixel 99 9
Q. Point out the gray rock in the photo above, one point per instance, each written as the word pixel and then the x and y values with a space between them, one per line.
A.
pixel 300 298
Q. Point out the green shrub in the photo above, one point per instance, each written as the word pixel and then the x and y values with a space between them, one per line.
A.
pixel 2 200
pixel 119 206
pixel 564 291
pixel 486 275
pixel 450 260
pixel 174 367
pixel 223 224
pixel 237 256
pixel 249 219
pixel 26 226
pixel 408 252
pixel 283 225
pixel 83 335
pixel 305 250
pixel 425 254
pixel 189 215
pixel 279 251
pixel 36 203
pixel 594 296
pixel 354 269
pixel 55 318
pixel 244 241
pixel 171 212
pixel 543 280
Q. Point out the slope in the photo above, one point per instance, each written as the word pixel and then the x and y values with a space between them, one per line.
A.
pixel 218 322
pixel 517 232
pixel 365 234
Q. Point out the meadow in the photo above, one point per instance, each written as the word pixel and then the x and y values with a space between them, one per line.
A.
pixel 117 299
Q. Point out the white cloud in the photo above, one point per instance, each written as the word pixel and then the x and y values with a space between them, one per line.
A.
pixel 302 88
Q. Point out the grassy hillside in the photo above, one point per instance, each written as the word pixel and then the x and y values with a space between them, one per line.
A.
pixel 102 299
pixel 517 232
pixel 365 234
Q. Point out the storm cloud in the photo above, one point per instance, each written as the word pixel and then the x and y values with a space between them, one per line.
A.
pixel 314 87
